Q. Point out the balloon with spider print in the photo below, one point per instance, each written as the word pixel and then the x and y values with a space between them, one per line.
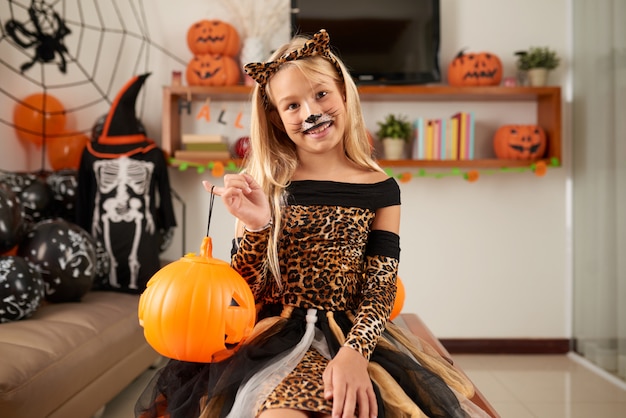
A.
pixel 64 255
pixel 21 289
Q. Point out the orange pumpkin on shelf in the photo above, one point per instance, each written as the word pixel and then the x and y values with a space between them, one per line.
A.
pixel 520 142
pixel 475 69
pixel 197 309
pixel 213 37
pixel 213 70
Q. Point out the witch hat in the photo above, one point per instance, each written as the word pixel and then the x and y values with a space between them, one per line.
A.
pixel 122 125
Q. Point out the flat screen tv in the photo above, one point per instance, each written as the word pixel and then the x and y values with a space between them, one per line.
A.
pixel 380 41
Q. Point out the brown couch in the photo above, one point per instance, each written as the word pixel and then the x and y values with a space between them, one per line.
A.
pixel 70 359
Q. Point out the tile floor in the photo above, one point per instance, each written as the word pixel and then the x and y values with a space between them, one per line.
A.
pixel 531 386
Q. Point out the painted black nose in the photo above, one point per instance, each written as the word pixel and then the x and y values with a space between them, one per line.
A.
pixel 313 118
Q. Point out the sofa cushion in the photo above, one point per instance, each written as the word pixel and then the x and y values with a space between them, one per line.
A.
pixel 50 357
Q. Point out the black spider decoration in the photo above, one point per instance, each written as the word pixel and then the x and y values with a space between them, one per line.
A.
pixel 48 41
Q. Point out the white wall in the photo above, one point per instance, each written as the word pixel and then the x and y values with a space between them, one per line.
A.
pixel 479 260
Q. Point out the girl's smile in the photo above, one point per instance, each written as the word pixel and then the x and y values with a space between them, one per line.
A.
pixel 312 112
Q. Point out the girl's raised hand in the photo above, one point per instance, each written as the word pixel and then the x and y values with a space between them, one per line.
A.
pixel 244 199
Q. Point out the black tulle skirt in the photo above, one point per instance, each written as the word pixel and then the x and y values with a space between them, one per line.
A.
pixel 410 379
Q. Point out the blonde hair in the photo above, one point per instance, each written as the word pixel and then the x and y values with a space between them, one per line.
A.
pixel 272 159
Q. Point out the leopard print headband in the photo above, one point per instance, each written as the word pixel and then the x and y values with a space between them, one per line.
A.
pixel 318 45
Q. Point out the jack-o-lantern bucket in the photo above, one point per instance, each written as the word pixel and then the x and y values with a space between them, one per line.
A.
pixel 475 69
pixel 520 142
pixel 197 309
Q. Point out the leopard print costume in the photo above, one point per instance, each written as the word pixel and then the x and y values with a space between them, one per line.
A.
pixel 323 247
pixel 333 264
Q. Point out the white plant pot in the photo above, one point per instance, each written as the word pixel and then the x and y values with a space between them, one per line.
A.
pixel 538 77
pixel 393 148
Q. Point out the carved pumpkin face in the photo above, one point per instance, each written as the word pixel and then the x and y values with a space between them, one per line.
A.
pixel 475 69
pixel 212 70
pixel 213 37
pixel 520 142
pixel 197 309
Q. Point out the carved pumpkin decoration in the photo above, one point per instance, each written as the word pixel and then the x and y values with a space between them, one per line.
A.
pixel 520 142
pixel 212 70
pixel 398 304
pixel 475 69
pixel 197 309
pixel 213 37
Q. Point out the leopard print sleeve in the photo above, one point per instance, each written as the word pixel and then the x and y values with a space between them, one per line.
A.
pixel 379 292
pixel 249 258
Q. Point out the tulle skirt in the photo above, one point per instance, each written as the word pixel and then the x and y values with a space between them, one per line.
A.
pixel 281 363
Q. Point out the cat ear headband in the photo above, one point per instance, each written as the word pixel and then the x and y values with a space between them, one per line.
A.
pixel 318 45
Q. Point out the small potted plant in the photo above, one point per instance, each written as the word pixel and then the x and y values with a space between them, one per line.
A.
pixel 394 133
pixel 536 62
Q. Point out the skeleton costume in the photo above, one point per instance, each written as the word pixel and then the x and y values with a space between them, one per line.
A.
pixel 338 283
pixel 123 194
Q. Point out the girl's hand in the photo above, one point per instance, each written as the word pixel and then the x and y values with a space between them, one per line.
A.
pixel 348 384
pixel 244 199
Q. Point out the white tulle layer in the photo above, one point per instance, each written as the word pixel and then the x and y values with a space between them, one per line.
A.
pixel 252 394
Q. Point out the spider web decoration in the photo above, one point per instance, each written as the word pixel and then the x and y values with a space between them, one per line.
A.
pixel 79 51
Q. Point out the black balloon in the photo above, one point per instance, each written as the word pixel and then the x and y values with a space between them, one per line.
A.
pixel 64 255
pixel 63 184
pixel 11 220
pixel 17 181
pixel 36 200
pixel 21 289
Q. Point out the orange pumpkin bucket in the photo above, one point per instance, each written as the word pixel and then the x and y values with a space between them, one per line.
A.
pixel 198 308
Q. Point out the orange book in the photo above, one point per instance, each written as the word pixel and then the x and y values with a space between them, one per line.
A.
pixel 429 139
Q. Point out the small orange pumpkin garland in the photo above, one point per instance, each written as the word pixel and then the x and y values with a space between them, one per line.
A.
pixel 475 69
pixel 197 309
pixel 212 70
pixel 213 37
pixel 520 142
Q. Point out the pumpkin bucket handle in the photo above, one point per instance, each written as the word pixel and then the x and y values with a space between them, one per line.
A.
pixel 206 248
pixel 211 199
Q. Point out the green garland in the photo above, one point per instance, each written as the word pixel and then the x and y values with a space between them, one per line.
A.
pixel 218 169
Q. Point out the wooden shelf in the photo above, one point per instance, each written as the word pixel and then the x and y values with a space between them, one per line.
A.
pixel 548 100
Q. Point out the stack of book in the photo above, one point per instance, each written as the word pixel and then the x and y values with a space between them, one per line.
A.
pixel 444 139
pixel 203 147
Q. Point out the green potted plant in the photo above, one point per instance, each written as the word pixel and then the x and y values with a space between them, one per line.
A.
pixel 536 62
pixel 394 133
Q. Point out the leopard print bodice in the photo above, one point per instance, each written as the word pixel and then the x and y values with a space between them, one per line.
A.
pixel 322 251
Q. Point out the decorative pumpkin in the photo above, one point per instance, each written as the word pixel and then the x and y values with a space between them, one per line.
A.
pixel 213 37
pixel 197 309
pixel 475 69
pixel 520 142
pixel 399 302
pixel 212 70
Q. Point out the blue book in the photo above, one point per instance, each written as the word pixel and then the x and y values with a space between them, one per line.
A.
pixel 419 145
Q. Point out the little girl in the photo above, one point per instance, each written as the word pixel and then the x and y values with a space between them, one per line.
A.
pixel 317 241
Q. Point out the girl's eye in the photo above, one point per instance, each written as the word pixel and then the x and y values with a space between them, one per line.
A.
pixel 292 106
pixel 321 94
